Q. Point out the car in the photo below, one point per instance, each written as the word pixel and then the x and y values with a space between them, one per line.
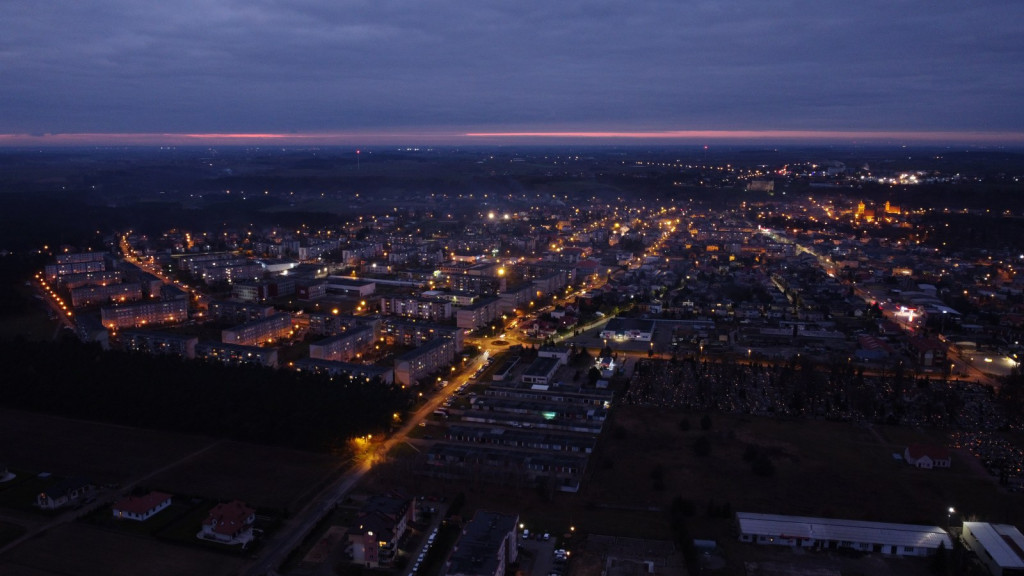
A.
pixel 547 536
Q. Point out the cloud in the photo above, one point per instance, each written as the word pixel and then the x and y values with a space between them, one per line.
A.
pixel 270 66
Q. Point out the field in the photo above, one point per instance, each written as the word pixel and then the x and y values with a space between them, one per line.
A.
pixel 84 549
pixel 263 476
pixel 821 468
pixel 100 452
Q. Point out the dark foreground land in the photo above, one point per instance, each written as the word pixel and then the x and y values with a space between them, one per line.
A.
pixel 198 471
pixel 645 464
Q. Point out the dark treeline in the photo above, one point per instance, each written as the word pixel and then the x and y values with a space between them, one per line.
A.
pixel 249 404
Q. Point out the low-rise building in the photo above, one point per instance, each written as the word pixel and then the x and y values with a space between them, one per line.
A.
pixel 832 534
pixel 229 523
pixel 927 457
pixel 487 545
pixel 65 492
pixel 141 508
pixel 999 546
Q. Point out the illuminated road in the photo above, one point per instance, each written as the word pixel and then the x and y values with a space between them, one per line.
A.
pixel 295 530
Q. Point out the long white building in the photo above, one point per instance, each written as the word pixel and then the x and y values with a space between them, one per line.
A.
pixel 999 546
pixel 830 534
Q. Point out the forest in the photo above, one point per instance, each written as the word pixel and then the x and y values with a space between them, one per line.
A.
pixel 251 404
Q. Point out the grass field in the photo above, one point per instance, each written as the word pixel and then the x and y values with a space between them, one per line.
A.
pixel 101 452
pixel 9 532
pixel 262 476
pixel 82 548
pixel 821 468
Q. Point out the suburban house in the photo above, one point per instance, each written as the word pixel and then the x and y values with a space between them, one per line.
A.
pixel 65 492
pixel 834 534
pixel 927 456
pixel 382 522
pixel 229 523
pixel 141 508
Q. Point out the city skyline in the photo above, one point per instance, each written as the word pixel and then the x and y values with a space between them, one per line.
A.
pixel 449 72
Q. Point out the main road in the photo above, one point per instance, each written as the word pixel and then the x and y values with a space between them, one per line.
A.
pixel 295 530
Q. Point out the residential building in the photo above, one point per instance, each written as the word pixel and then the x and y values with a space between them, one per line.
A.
pixel 381 523
pixel 159 343
pixel 229 523
pixel 148 313
pixel 259 331
pixel 477 314
pixel 141 508
pixel 235 354
pixel 65 492
pixel 927 457
pixel 343 347
pixel 487 545
pixel 412 366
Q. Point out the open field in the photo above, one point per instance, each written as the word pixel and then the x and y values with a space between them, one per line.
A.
pixel 85 549
pixel 261 476
pixel 821 468
pixel 101 452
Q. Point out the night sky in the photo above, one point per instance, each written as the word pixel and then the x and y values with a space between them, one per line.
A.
pixel 436 70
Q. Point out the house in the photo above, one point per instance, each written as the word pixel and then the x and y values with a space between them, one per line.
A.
pixel 229 523
pixel 69 491
pixel 927 456
pixel 141 508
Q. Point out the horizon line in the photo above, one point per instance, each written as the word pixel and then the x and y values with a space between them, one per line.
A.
pixel 444 137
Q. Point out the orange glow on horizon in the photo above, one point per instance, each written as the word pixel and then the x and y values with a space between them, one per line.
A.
pixel 453 136
pixel 854 135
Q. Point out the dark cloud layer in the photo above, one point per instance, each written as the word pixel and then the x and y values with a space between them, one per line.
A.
pixel 343 65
